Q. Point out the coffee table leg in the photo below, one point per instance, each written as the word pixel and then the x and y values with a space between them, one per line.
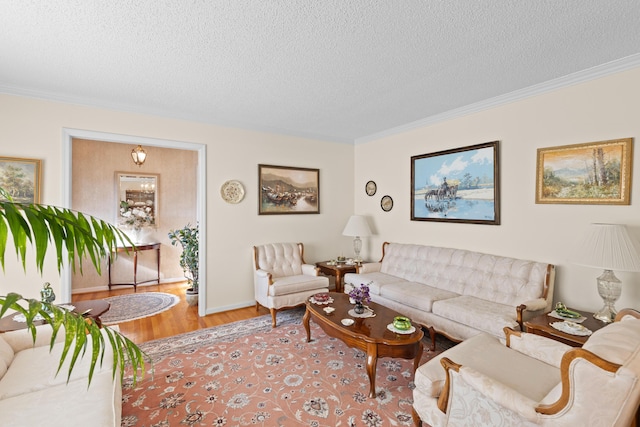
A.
pixel 416 361
pixel 305 322
pixel 372 361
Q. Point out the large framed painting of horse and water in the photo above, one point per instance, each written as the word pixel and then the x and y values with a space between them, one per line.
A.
pixel 460 185
pixel 288 190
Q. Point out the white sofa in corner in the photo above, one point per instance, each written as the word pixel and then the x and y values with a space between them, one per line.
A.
pixel 31 394
pixel 459 293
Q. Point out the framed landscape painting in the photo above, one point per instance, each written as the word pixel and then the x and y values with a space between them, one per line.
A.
pixel 459 185
pixel 21 178
pixel 288 190
pixel 591 173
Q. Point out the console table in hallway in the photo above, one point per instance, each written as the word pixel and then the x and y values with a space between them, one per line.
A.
pixel 138 248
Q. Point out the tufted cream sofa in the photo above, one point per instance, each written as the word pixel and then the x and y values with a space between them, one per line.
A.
pixel 457 293
pixel 31 394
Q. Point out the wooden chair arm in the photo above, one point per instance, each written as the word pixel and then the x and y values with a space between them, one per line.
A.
pixel 627 312
pixel 447 364
pixel 567 359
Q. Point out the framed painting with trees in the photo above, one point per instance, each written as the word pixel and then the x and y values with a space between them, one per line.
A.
pixel 591 173
pixel 21 179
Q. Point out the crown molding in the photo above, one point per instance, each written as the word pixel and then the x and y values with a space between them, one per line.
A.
pixel 589 74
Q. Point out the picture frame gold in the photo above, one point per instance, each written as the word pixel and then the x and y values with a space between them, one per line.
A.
pixel 21 178
pixel 593 173
pixel 288 190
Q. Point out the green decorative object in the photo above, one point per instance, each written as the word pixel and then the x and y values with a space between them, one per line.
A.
pixel 402 323
pixel 187 237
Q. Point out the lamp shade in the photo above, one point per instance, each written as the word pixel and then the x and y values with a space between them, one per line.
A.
pixel 357 226
pixel 610 247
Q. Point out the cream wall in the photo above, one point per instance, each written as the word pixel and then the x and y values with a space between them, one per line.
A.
pixel 602 109
pixel 33 128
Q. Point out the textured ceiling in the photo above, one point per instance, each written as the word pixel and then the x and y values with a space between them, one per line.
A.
pixel 342 70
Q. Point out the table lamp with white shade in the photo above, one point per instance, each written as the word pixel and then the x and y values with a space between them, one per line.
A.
pixel 610 247
pixel 357 227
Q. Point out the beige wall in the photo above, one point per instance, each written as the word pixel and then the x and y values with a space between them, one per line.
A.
pixel 595 111
pixel 33 128
pixel 95 164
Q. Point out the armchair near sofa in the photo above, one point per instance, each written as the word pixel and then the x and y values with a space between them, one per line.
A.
pixel 282 279
pixel 534 381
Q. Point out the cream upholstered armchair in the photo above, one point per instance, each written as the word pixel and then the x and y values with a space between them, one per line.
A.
pixel 534 381
pixel 282 279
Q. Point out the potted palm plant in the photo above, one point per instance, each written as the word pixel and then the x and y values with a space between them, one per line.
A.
pixel 187 238
pixel 74 236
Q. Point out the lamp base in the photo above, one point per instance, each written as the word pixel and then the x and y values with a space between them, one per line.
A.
pixel 609 288
pixel 357 246
pixel 606 314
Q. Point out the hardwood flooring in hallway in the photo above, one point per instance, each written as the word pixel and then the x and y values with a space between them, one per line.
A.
pixel 178 319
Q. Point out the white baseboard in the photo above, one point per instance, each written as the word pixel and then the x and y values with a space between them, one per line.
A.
pixel 232 307
pixel 106 287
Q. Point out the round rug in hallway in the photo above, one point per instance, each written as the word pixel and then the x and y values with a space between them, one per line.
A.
pixel 137 306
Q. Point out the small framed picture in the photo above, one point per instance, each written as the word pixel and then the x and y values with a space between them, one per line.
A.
pixel 386 203
pixel 21 178
pixel 288 190
pixel 371 188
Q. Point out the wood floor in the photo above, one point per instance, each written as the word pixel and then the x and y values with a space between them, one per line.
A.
pixel 178 319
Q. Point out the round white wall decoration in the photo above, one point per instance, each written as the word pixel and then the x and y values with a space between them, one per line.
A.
pixel 232 191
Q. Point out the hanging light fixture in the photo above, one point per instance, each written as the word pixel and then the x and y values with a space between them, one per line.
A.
pixel 138 155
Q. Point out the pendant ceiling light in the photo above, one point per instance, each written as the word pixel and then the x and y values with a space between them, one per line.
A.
pixel 138 155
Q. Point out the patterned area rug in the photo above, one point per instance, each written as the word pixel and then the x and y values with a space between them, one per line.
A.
pixel 136 306
pixel 247 373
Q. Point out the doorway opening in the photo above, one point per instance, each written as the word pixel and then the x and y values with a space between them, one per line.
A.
pixel 72 136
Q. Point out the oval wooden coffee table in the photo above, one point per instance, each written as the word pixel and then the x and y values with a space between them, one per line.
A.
pixel 367 334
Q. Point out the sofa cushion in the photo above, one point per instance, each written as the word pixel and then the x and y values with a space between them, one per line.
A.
pixel 375 280
pixel 494 278
pixel 6 352
pixel 478 313
pixel 531 377
pixel 35 369
pixel 72 404
pixel 295 284
pixel 415 295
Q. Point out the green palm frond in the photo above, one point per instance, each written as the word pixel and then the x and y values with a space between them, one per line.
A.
pixel 74 236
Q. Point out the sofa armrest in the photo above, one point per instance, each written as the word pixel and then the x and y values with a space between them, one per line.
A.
pixel 544 349
pixel 370 267
pixel 310 270
pixel 529 309
pixel 469 388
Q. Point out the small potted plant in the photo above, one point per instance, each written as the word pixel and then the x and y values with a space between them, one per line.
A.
pixel 187 237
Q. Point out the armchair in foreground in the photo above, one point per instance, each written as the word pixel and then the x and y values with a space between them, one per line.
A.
pixel 534 381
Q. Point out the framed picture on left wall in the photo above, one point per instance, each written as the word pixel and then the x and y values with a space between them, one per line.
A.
pixel 21 178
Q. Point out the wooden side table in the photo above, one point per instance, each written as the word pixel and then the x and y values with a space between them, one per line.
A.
pixel 90 308
pixel 138 248
pixel 541 325
pixel 338 270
